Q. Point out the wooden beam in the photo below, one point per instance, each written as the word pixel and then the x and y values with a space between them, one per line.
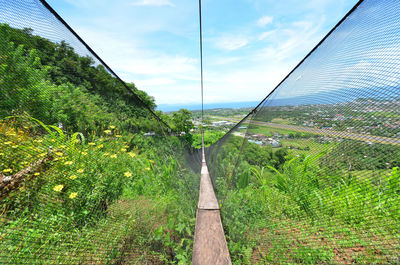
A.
pixel 210 247
pixel 207 199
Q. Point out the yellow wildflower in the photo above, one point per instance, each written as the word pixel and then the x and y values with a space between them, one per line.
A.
pixel 126 146
pixel 118 135
pixel 62 146
pixel 53 140
pixel 76 140
pixel 59 153
pixel 91 143
pixel 8 142
pixel 84 153
pixel 100 146
pixel 128 174
pixel 123 149
pixel 39 140
pixel 73 177
pixel 58 188
pixel 107 131
pixel 1 154
pixel 73 195
pixel 113 156
pixel 147 168
pixel 112 126
pixel 132 154
pixel 36 174
pixel 7 170
pixel 106 154
pixel 14 146
pixel 68 163
pixel 80 170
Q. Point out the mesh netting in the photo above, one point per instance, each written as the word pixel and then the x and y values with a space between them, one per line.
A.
pixel 311 175
pixel 89 173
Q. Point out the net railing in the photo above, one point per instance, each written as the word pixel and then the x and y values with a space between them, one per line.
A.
pixel 89 172
pixel 311 175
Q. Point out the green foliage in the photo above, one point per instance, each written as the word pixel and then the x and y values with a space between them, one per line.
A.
pixel 299 181
pixel 210 138
pixel 354 155
pixel 181 121
pixel 261 195
pixel 307 255
pixel 108 191
pixel 52 83
pixel 76 191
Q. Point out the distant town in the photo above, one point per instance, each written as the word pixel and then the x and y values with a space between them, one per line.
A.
pixel 368 120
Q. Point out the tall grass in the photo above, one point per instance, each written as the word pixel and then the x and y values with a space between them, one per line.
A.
pixel 102 200
pixel 300 201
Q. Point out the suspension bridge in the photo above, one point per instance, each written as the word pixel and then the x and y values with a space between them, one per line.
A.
pixel 91 173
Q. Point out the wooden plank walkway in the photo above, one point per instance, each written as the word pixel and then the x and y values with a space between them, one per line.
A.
pixel 209 246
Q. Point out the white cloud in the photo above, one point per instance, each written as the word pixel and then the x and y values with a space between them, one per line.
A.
pixel 177 93
pixel 266 34
pixel 152 3
pixel 225 60
pixel 370 71
pixel 250 82
pixel 166 76
pixel 231 43
pixel 300 36
pixel 156 64
pixel 245 57
pixel 265 20
pixel 85 3
pixel 174 78
pixel 155 82
pixel 131 56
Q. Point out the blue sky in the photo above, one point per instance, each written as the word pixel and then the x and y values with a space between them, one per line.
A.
pixel 249 45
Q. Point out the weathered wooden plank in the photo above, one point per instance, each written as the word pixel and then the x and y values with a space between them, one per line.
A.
pixel 207 199
pixel 210 246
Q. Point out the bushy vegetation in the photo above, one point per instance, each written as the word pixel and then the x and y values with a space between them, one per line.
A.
pixel 52 83
pixel 85 183
pixel 355 155
pixel 299 209
pixel 210 138
pixel 87 187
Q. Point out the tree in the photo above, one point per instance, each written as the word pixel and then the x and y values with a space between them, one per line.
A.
pixel 182 121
